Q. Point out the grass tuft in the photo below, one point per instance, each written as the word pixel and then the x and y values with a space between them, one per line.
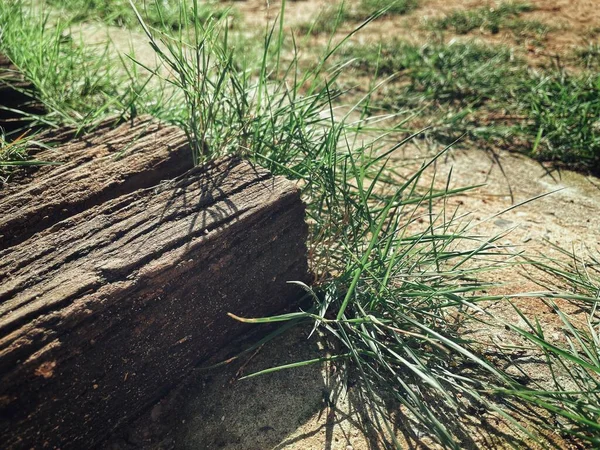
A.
pixel 492 19
pixel 119 12
pixel 397 7
pixel 328 21
pixel 590 56
pixel 565 110
pixel 467 84
pixel 393 284
pixel 572 357
pixel 332 17
pixel 78 84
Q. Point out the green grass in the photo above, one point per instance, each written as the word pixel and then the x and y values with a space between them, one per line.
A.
pixel 565 110
pixel 397 7
pixel 119 12
pixel 529 29
pixel 464 74
pixel 13 155
pixel 492 19
pixel 461 80
pixel 573 358
pixel 393 302
pixel 589 56
pixel 77 83
pixel 72 81
pixel 333 16
pixel 327 21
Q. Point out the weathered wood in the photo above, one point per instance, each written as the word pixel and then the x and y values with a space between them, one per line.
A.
pixel 45 146
pixel 60 145
pixel 17 97
pixel 101 313
pixel 96 167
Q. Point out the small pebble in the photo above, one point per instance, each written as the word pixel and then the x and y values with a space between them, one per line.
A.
pixel 155 413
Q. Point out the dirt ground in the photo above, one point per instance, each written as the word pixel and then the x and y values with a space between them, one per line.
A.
pixel 574 24
pixel 309 408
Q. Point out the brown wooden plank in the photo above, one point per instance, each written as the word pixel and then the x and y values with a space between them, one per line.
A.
pixel 45 146
pixel 102 313
pixel 96 167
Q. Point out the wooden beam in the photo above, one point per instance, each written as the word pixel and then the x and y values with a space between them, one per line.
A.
pixel 94 168
pixel 102 313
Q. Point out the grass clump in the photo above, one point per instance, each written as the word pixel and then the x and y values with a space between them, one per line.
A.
pixel 463 74
pixel 397 7
pixel 492 20
pixel 327 21
pixel 575 368
pixel 589 56
pixel 529 28
pixel 396 269
pixel 332 17
pixel 556 112
pixel 76 83
pixel 79 85
pixel 565 111
pixel 119 12
pixel 393 283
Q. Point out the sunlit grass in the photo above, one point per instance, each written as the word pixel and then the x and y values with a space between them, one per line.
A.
pixel 336 15
pixel 491 18
pixel 557 111
pixel 572 358
pixel 119 12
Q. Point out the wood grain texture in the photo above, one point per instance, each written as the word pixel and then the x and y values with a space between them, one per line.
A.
pixel 96 167
pixel 102 313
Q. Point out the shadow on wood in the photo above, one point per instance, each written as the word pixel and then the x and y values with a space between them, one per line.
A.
pixel 102 313
pixel 94 168
pixel 17 98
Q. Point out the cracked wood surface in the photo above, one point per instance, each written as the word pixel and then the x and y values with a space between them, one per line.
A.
pixel 94 168
pixel 101 313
